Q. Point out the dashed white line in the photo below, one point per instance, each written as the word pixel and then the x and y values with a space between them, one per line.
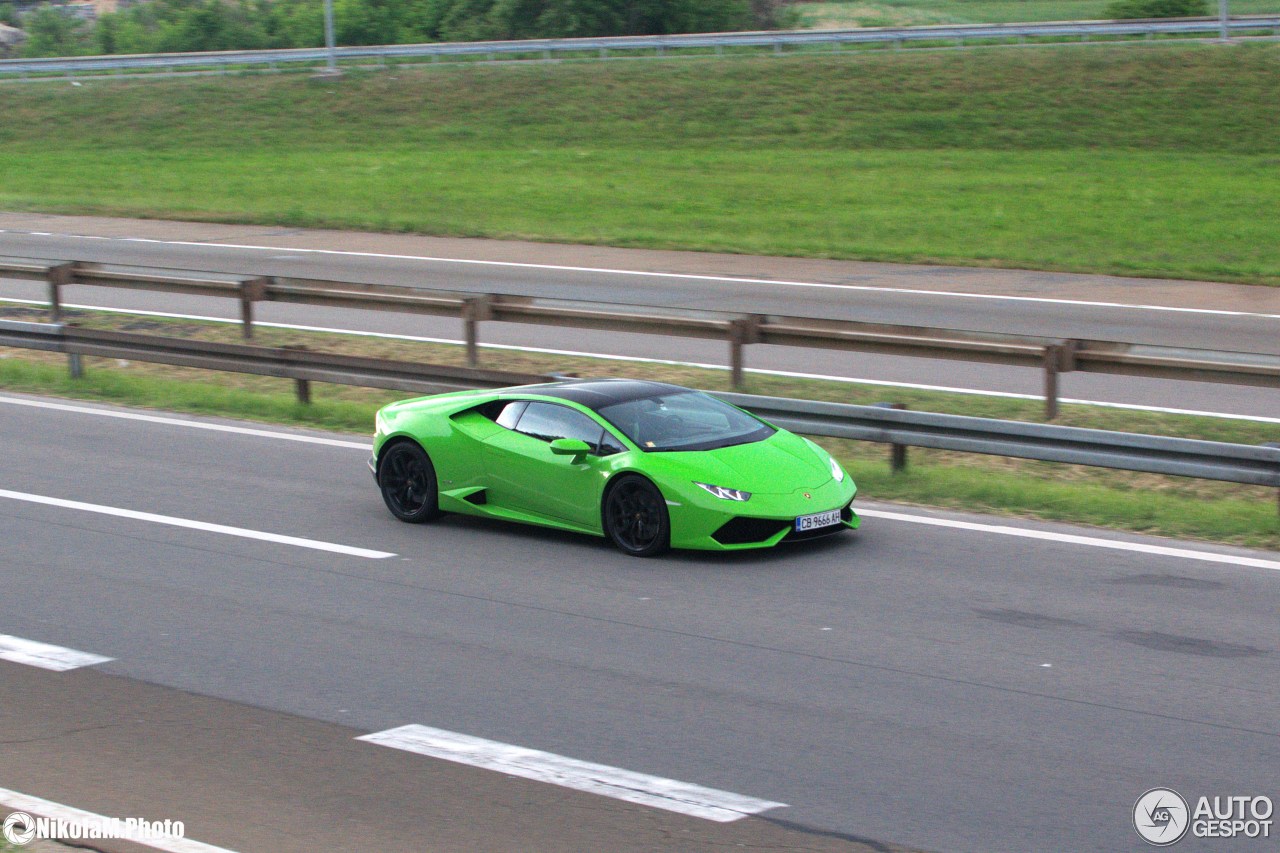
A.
pixel 656 791
pixel 1073 539
pixel 671 275
pixel 45 656
pixel 853 380
pixel 82 818
pixel 191 524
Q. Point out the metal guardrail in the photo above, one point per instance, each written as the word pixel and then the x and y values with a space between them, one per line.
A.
pixel 303 366
pixel 1259 466
pixel 777 40
pixel 1053 356
pixel 1183 457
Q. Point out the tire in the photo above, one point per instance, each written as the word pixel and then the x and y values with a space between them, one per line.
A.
pixel 636 517
pixel 408 483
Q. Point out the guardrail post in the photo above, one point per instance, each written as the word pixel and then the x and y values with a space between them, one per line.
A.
pixel 897 452
pixel 1052 355
pixel 75 365
pixel 742 331
pixel 473 311
pixel 1274 444
pixel 58 276
pixel 251 290
pixel 301 387
pixel 1058 358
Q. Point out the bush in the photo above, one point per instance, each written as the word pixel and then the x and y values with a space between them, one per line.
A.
pixel 1121 9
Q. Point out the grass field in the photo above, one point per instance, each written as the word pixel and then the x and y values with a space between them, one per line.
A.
pixel 1154 161
pixel 1172 506
pixel 838 14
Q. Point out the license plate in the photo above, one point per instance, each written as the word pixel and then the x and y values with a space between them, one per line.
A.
pixel 818 519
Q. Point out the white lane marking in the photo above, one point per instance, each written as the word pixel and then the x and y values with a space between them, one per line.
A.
pixel 45 656
pixel 791 374
pixel 655 791
pixel 672 275
pixel 190 524
pixel 156 419
pixel 80 817
pixel 1072 539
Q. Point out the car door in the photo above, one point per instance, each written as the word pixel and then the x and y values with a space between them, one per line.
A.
pixel 526 476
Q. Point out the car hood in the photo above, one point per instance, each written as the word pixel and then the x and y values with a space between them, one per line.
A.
pixel 780 464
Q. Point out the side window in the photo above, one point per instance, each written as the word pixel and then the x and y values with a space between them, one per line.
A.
pixel 549 421
pixel 609 445
pixel 505 414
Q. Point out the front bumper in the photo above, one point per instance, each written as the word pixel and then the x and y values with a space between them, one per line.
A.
pixel 712 524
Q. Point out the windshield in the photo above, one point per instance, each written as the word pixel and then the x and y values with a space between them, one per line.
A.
pixel 684 420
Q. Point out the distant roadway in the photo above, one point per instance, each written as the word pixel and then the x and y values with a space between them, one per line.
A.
pixel 937 680
pixel 1170 313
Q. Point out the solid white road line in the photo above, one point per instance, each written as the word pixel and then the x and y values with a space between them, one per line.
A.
pixel 655 791
pixel 189 524
pixel 1072 539
pixel 45 656
pixel 643 360
pixel 157 419
pixel 80 817
pixel 681 276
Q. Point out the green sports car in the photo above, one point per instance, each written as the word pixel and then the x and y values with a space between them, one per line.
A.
pixel 649 465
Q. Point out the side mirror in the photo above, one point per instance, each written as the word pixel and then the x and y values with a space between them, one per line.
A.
pixel 575 447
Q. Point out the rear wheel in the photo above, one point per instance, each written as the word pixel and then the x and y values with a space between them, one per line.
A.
pixel 636 518
pixel 408 482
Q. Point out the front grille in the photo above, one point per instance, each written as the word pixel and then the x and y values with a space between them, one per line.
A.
pixel 743 530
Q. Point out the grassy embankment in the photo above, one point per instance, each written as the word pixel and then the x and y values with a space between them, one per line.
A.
pixel 1165 505
pixel 1159 161
pixel 839 14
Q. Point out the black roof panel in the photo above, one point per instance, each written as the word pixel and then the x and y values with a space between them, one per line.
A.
pixel 595 394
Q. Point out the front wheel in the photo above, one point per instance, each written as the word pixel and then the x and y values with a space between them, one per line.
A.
pixel 408 482
pixel 635 517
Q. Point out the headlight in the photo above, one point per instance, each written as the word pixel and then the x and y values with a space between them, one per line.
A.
pixel 836 470
pixel 725 494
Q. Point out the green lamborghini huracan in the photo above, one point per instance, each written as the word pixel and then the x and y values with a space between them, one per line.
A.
pixel 649 465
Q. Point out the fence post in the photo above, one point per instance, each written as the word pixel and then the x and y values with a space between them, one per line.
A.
pixel 742 331
pixel 474 310
pixel 58 276
pixel 251 290
pixel 897 452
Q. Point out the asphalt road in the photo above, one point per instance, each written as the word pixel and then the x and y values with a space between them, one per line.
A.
pixel 1193 314
pixel 938 688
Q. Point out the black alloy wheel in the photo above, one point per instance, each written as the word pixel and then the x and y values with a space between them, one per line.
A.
pixel 635 517
pixel 408 482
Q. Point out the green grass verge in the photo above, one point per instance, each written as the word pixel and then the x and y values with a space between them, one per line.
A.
pixel 1152 161
pixel 838 14
pixel 1145 503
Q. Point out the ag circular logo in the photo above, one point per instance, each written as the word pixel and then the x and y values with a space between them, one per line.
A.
pixel 1161 816
pixel 19 828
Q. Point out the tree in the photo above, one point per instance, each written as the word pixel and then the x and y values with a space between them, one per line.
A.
pixel 53 32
